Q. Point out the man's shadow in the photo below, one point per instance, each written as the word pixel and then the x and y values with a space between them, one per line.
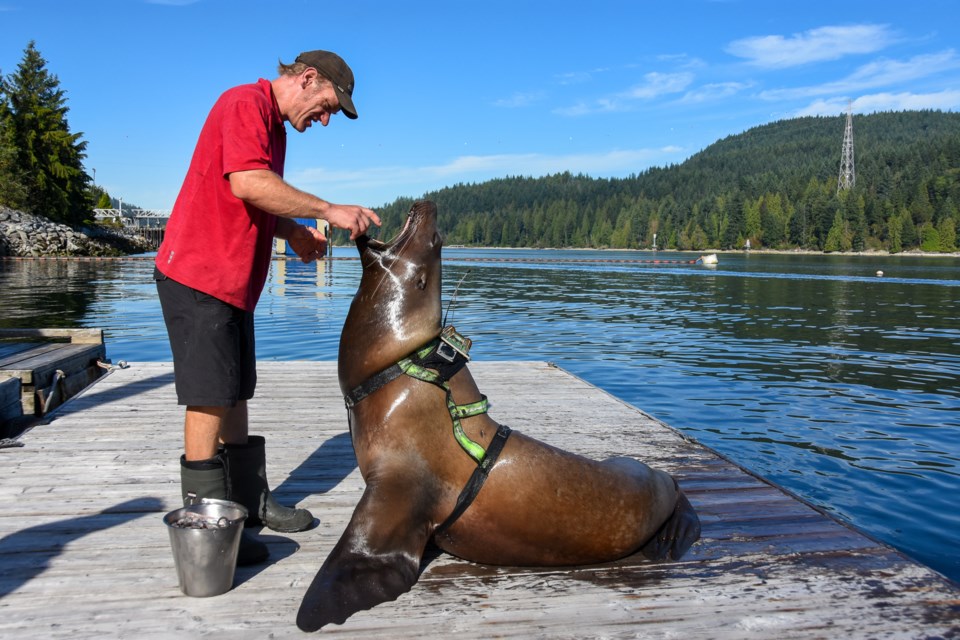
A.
pixel 323 470
pixel 27 553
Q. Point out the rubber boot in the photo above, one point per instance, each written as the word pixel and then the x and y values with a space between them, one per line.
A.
pixel 208 479
pixel 247 472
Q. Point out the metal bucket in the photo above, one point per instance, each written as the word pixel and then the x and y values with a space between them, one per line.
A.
pixel 205 538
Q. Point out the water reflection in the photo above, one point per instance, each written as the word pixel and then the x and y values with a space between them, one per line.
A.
pixel 51 293
pixel 809 370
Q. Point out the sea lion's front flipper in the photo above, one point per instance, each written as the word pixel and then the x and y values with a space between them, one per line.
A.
pixel 677 534
pixel 376 560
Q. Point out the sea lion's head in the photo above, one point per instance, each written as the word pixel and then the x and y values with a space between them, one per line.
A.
pixel 397 308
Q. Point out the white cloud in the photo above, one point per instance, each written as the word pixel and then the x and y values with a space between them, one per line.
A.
pixel 815 45
pixel 873 75
pixel 682 60
pixel 579 77
pixel 416 180
pixel 520 100
pixel 654 85
pixel 948 100
pixel 710 92
pixel 657 84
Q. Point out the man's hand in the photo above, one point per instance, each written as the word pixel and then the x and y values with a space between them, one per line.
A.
pixel 353 218
pixel 308 243
pixel 267 191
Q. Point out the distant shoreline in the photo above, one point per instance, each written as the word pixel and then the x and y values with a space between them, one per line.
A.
pixel 785 252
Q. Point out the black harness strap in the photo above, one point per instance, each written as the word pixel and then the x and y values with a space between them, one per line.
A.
pixel 445 361
pixel 479 476
pixel 372 384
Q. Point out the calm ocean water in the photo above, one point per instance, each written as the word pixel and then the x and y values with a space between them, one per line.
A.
pixel 812 371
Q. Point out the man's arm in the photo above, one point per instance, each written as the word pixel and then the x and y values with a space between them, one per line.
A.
pixel 306 241
pixel 267 191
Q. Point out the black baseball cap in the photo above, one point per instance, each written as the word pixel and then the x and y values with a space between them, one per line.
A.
pixel 333 68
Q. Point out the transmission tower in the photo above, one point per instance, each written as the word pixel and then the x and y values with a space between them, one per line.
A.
pixel 848 176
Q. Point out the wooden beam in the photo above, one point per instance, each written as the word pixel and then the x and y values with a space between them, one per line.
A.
pixel 75 336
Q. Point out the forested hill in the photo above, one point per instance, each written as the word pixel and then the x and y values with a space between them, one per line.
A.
pixel 775 185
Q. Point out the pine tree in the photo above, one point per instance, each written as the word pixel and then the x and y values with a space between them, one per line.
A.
pixel 838 238
pixel 895 234
pixel 47 154
pixel 948 235
pixel 929 238
pixel 12 191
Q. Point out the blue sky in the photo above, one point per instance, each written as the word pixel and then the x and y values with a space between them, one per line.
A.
pixel 461 92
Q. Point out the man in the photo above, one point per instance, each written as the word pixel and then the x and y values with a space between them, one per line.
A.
pixel 212 265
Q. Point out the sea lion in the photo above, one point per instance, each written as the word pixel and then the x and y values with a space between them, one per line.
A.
pixel 436 466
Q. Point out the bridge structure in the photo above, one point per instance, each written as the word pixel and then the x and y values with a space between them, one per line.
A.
pixel 134 218
pixel 149 224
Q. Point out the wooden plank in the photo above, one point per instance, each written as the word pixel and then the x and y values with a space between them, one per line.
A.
pixel 9 350
pixel 76 336
pixel 36 366
pixel 39 367
pixel 84 553
pixel 19 363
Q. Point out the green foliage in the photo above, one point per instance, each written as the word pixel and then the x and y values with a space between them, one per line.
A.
pixel 839 236
pixel 775 185
pixel 13 193
pixel 948 235
pixel 895 234
pixel 47 157
pixel 930 238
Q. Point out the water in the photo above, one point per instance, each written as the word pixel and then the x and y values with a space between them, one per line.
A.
pixel 812 371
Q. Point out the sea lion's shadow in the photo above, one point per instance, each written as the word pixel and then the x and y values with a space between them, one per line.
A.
pixel 323 470
pixel 431 553
pixel 320 472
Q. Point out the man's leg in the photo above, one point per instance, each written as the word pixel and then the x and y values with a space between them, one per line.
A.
pixel 235 429
pixel 206 428
pixel 203 340
pixel 201 432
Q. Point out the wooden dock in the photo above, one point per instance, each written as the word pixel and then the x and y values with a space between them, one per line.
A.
pixel 42 368
pixel 84 554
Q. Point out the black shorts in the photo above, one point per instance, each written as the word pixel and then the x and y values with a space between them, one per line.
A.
pixel 214 354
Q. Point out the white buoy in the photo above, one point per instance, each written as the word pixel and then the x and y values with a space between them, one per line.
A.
pixel 879 274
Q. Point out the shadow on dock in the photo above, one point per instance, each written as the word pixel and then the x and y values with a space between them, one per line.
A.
pixel 22 549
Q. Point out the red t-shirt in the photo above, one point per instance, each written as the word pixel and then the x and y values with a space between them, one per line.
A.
pixel 214 242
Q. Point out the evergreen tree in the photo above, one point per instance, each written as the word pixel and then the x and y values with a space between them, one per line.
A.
pixel 838 238
pixel 857 219
pixel 909 235
pixel 948 235
pixel 47 154
pixel 12 191
pixel 929 238
pixel 895 234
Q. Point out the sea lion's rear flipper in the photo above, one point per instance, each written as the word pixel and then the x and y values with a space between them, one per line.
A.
pixel 376 560
pixel 677 534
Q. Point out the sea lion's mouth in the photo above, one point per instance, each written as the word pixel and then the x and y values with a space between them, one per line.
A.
pixel 420 212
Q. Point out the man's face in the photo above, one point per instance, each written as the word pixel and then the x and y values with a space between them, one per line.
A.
pixel 316 102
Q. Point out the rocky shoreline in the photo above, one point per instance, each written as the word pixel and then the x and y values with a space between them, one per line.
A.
pixel 26 235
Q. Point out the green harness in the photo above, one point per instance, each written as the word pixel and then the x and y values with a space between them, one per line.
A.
pixel 457 411
pixel 436 363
